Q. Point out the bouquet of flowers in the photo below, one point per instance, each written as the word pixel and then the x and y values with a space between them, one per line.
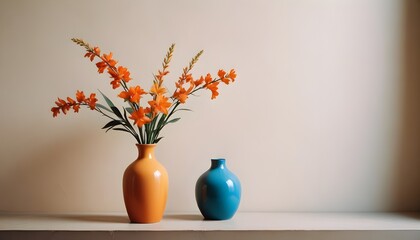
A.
pixel 143 119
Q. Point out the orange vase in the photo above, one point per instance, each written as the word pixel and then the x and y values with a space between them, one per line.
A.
pixel 145 187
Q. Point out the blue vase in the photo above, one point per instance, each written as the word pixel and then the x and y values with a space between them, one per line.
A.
pixel 218 192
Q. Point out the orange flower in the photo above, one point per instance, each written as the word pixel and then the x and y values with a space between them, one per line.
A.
pixel 160 104
pixel 106 60
pixel 109 60
pixel 222 76
pixel 161 75
pixel 55 111
pixel 71 101
pixel 114 74
pixel 181 93
pixel 156 89
pixel 199 81
pixel 92 55
pixel 140 117
pixel 97 51
pixel 91 101
pixel 221 73
pixel 124 74
pixel 64 106
pixel 188 78
pixel 213 88
pixel 117 75
pixel 208 78
pixel 60 102
pixel 115 83
pixel 101 66
pixel 147 110
pixel 133 95
pixel 80 96
pixel 232 75
pixel 185 78
pixel 225 80
pixel 76 108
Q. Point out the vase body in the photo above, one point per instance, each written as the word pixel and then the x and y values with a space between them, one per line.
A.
pixel 145 187
pixel 218 192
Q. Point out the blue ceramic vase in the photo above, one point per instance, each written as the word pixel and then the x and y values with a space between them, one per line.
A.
pixel 218 192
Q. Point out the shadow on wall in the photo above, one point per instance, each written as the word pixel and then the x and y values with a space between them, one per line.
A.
pixel 407 183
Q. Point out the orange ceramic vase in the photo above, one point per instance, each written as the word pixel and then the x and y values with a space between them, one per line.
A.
pixel 145 187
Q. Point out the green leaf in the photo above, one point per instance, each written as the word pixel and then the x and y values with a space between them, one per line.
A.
pixel 125 115
pixel 120 129
pixel 107 100
pixel 161 120
pixel 173 120
pixel 108 129
pixel 157 140
pixel 160 125
pixel 117 112
pixel 103 107
pixel 112 123
pixel 127 122
pixel 183 109
pixel 129 110
pixel 112 106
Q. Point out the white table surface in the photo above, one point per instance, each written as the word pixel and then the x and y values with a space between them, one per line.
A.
pixel 242 221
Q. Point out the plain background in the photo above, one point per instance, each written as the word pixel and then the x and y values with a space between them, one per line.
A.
pixel 324 115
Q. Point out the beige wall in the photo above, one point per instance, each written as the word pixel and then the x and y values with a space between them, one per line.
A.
pixel 322 117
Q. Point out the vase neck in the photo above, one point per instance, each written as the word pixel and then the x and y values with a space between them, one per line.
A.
pixel 146 151
pixel 218 163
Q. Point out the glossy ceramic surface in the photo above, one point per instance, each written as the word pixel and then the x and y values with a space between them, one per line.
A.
pixel 145 187
pixel 218 192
